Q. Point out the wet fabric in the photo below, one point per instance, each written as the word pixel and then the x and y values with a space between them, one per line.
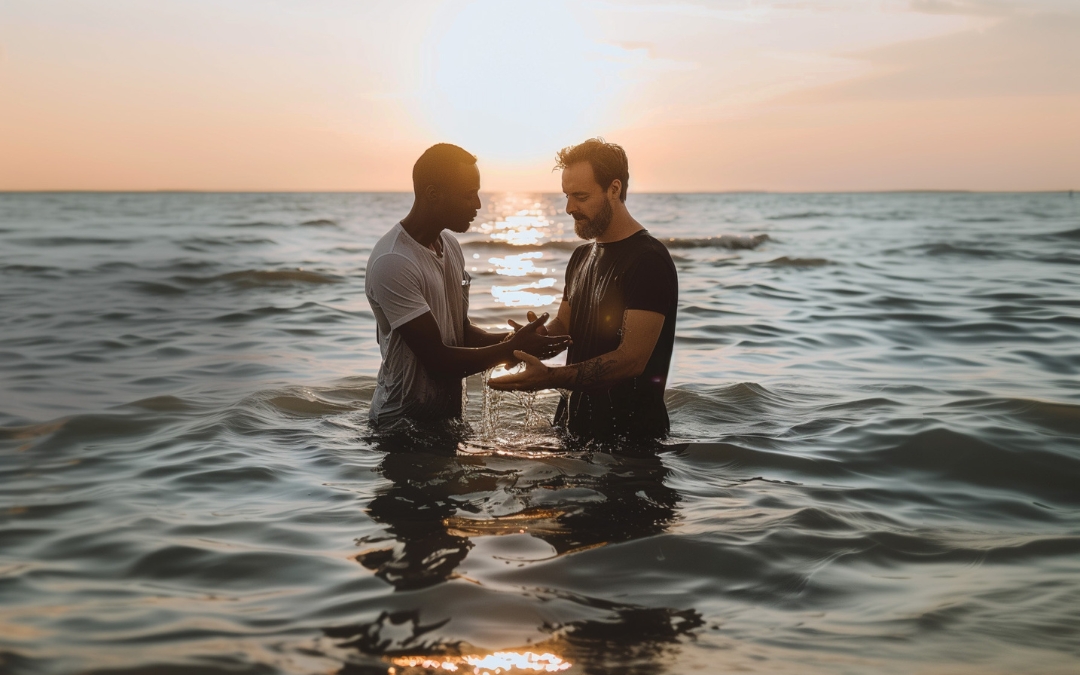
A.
pixel 405 280
pixel 603 281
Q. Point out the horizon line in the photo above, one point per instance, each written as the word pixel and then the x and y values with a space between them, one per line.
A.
pixel 542 192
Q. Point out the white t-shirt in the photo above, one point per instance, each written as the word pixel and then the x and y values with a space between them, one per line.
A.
pixel 403 281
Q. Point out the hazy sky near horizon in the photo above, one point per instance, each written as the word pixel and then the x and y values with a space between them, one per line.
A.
pixel 704 94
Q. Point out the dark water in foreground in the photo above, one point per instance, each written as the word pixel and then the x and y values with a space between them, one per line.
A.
pixel 875 464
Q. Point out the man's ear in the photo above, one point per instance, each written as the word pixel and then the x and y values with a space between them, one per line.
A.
pixel 614 189
pixel 431 193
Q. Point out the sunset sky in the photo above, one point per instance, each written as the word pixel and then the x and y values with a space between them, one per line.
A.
pixel 705 95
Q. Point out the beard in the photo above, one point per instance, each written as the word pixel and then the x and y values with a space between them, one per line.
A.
pixel 591 228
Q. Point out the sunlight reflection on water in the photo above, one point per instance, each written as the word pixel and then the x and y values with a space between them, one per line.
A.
pixel 518 265
pixel 499 662
pixel 525 295
pixel 524 227
pixel 521 221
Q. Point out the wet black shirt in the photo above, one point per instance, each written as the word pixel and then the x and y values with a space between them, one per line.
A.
pixel 602 282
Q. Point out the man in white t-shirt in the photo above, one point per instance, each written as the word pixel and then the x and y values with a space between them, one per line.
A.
pixel 418 289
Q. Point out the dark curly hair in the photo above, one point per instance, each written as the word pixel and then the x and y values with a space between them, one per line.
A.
pixel 608 162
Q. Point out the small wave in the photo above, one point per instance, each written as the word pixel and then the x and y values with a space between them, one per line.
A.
pixel 28 269
pixel 73 432
pixel 163 404
pixel 307 407
pixel 1065 234
pixel 733 242
pixel 254 223
pixel 955 456
pixel 785 261
pixel 211 568
pixel 198 243
pixel 157 288
pixel 319 222
pixel 802 215
pixel 736 406
pixel 1062 259
pixel 31 431
pixel 746 459
pixel 350 395
pixel 251 278
pixel 1048 414
pixel 60 242
pixel 950 249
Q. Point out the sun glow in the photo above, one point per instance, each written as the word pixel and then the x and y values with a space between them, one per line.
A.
pixel 513 81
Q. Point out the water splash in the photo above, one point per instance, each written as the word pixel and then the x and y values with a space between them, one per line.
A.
pixel 494 429
pixel 490 408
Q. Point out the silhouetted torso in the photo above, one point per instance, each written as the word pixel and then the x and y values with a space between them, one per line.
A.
pixel 602 282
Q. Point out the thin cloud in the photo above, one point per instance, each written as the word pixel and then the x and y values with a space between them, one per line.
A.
pixel 996 8
pixel 1017 56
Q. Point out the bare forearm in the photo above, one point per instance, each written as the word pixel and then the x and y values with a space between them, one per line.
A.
pixel 465 361
pixel 423 337
pixel 478 337
pixel 601 372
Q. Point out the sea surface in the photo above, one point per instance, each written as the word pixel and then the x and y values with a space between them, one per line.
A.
pixel 874 464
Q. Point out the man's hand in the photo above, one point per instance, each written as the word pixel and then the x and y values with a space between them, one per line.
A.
pixel 534 377
pixel 530 340
pixel 530 316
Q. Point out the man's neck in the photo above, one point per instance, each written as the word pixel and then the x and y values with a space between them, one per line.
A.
pixel 622 226
pixel 425 230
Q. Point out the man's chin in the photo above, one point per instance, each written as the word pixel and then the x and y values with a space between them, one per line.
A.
pixel 586 230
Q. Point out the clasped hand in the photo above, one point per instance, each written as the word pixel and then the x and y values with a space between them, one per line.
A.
pixel 533 340
pixel 534 375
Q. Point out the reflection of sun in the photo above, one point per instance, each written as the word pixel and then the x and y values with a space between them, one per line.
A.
pixel 526 227
pixel 487 664
pixel 518 265
pixel 514 220
pixel 523 295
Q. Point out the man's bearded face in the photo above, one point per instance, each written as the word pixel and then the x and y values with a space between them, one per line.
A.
pixel 591 227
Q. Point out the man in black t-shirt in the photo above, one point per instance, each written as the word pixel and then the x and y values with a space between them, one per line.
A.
pixel 618 308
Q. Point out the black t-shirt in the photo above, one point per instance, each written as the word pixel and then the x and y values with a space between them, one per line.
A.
pixel 602 282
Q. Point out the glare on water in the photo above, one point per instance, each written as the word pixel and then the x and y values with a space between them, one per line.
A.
pixel 508 662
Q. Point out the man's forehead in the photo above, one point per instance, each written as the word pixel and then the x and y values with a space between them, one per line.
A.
pixel 467 177
pixel 579 177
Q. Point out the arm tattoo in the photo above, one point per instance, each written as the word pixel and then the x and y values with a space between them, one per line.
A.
pixel 594 372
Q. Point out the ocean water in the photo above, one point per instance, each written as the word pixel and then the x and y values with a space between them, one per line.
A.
pixel 874 464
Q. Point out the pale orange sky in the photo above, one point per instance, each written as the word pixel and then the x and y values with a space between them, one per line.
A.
pixel 705 95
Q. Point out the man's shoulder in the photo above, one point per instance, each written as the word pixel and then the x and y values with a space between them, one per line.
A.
pixel 390 256
pixel 393 243
pixel 390 240
pixel 646 249
pixel 582 250
pixel 651 243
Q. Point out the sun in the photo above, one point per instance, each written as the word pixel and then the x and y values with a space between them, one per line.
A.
pixel 514 81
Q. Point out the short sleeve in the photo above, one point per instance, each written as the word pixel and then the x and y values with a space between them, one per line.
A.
pixel 651 284
pixel 396 285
